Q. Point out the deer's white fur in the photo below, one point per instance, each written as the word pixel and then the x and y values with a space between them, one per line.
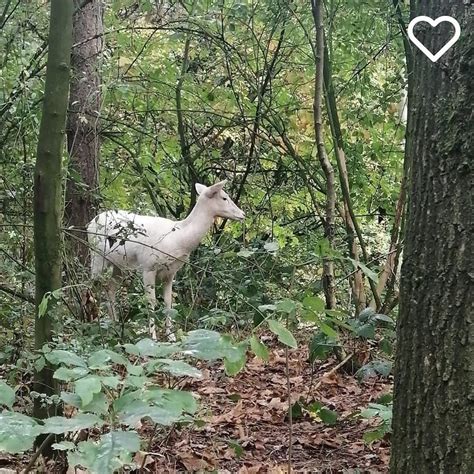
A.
pixel 156 246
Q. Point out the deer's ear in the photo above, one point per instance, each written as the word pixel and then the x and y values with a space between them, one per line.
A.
pixel 200 188
pixel 215 188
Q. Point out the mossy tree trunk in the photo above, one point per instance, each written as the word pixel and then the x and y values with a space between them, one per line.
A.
pixel 48 206
pixel 434 378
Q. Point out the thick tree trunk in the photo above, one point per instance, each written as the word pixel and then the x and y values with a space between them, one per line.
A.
pixel 47 182
pixel 434 369
pixel 83 122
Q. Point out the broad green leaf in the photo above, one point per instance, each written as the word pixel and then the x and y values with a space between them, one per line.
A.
pixel 99 359
pixel 135 381
pixel 365 270
pixel 321 346
pixel 271 246
pixel 87 387
pixel 172 398
pixel 99 404
pixel 7 395
pixel 163 406
pixel 57 357
pixel 60 424
pixel 68 375
pixel 329 331
pixel 112 452
pixel 235 356
pixel 314 303
pixel 284 336
pixel 384 318
pixel 373 368
pixel 286 306
pixel 178 368
pixel 205 344
pixel 149 348
pixel 371 436
pixel 63 446
pixel 327 416
pixel 259 349
pixel 134 369
pixel 366 314
pixel 110 381
pixel 267 307
pixel 245 253
pixel 17 432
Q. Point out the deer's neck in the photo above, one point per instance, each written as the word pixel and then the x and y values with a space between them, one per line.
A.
pixel 193 229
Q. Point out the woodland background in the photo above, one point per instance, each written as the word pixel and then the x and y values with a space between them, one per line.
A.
pixel 164 95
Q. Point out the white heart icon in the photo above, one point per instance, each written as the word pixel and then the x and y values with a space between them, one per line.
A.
pixel 433 23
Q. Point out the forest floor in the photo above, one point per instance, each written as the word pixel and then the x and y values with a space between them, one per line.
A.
pixel 246 427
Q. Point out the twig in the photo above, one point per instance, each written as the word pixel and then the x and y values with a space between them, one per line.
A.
pixel 155 429
pixel 35 457
pixel 290 414
pixel 334 369
pixel 17 294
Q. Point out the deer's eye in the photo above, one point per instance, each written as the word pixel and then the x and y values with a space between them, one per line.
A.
pixel 225 199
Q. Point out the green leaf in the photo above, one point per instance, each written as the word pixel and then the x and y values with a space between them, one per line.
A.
pixel 284 336
pixel 60 424
pixel 17 432
pixel 314 303
pixel 63 446
pixel 373 368
pixel 235 356
pixel 329 331
pixel 271 247
pixel 178 368
pixel 7 395
pixel 384 318
pixel 43 306
pixel 110 381
pixel 68 375
pixel 163 406
pixel 149 348
pixel 113 451
pixel 286 306
pixel 99 359
pixel 57 357
pixel 327 416
pixel 371 436
pixel 320 347
pixel 136 381
pixel 366 314
pixel 267 307
pixel 365 270
pixel 259 349
pixel 87 387
pixel 134 369
pixel 245 253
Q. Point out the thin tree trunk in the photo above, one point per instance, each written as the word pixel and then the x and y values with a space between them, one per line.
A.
pixel 434 366
pixel 47 183
pixel 329 224
pixel 83 122
pixel 357 279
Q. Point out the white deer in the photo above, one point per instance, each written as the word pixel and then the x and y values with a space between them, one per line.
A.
pixel 156 246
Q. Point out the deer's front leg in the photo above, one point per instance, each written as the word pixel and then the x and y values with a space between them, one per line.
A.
pixel 168 299
pixel 149 282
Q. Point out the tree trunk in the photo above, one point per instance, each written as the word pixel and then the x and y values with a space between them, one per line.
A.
pixel 434 369
pixel 47 183
pixel 83 123
pixel 329 283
